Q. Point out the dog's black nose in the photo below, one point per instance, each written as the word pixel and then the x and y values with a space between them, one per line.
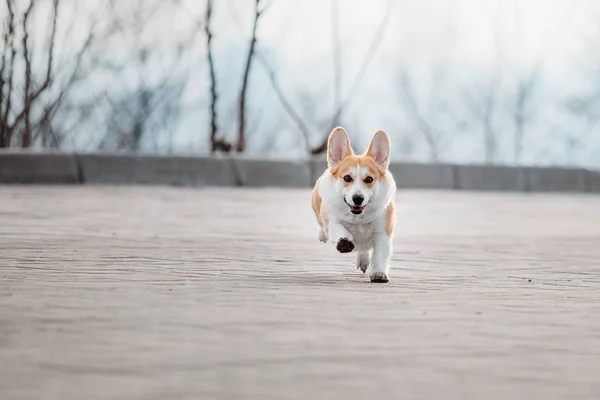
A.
pixel 358 199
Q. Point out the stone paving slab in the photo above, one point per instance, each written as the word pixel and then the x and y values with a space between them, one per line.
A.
pixel 181 293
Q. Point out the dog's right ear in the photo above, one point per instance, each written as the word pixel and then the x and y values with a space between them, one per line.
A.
pixel 338 146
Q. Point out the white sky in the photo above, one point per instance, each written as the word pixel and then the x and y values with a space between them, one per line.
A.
pixel 466 33
pixel 459 30
pixel 467 37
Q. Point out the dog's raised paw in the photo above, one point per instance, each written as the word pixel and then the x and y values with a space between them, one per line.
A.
pixel 379 277
pixel 344 245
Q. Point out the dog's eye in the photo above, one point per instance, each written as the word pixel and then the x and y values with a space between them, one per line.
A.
pixel 368 179
pixel 348 178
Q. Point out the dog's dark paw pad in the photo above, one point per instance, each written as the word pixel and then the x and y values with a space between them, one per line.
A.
pixel 344 246
pixel 379 277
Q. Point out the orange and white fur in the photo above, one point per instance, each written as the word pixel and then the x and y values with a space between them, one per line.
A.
pixel 354 202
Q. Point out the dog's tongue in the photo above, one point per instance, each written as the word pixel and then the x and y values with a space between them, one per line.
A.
pixel 356 208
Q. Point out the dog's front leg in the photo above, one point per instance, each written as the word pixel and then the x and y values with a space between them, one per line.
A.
pixel 380 261
pixel 340 236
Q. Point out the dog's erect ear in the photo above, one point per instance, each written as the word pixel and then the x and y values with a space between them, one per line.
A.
pixel 338 146
pixel 379 149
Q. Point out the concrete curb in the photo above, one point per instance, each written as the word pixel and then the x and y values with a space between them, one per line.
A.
pixel 155 170
pixel 424 176
pixel 42 168
pixel 557 180
pixel 23 167
pixel 491 177
pixel 263 172
pixel 593 182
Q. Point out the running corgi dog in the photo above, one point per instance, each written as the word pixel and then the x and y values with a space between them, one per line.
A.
pixel 354 202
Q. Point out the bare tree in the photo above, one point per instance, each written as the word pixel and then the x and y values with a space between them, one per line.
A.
pixel 241 141
pixel 368 58
pixel 526 83
pixel 27 116
pixel 430 134
pixel 287 105
pixel 215 144
pixel 281 95
pixel 522 111
pixel 487 122
pixel 483 96
pixel 139 112
pixel 22 120
pixel 337 59
pixel 482 101
pixel 138 116
pixel 9 53
pixel 213 80
pixel 584 108
pixel 46 129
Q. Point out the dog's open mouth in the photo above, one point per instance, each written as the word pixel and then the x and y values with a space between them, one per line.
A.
pixel 355 209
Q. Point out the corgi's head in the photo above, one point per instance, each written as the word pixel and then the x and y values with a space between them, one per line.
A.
pixel 362 181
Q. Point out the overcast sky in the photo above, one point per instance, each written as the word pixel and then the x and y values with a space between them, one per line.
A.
pixel 446 45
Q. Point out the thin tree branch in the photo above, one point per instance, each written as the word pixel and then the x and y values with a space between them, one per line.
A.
pixel 214 144
pixel 241 142
pixel 424 127
pixel 285 102
pixel 369 55
pixel 482 101
pixel 8 48
pixel 525 89
pixel 337 58
pixel 51 109
pixel 26 136
pixel 30 95
pixel 287 106
pixel 51 51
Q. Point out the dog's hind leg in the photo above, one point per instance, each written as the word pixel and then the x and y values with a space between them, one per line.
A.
pixel 363 259
pixel 382 253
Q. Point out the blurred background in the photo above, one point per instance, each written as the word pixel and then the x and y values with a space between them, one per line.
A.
pixel 467 81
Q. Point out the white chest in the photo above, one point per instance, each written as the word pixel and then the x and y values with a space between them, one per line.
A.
pixel 362 234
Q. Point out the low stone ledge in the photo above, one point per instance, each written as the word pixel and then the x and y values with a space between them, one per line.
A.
pixel 156 170
pixel 423 176
pixel 556 179
pixel 255 172
pixel 17 166
pixel 24 167
pixel 490 178
pixel 593 182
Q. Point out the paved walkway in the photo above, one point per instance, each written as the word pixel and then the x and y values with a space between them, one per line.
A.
pixel 176 293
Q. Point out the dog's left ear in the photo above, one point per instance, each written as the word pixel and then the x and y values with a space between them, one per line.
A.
pixel 379 149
